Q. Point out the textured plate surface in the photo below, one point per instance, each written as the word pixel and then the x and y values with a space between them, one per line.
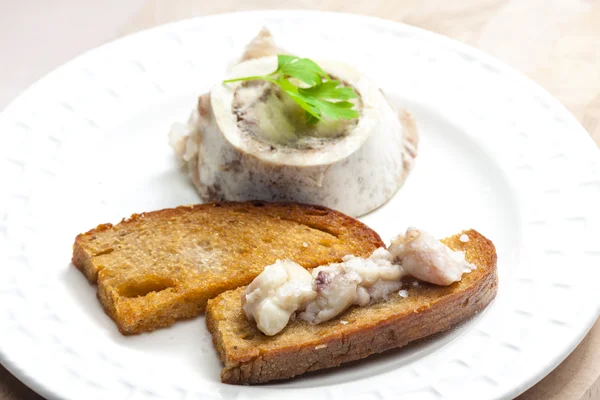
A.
pixel 88 144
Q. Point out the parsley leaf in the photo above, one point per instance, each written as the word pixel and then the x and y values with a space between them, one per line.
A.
pixel 336 110
pixel 303 69
pixel 322 96
pixel 330 90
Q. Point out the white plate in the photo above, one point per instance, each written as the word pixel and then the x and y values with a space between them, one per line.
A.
pixel 88 144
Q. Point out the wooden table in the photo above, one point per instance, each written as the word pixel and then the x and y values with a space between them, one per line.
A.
pixel 555 42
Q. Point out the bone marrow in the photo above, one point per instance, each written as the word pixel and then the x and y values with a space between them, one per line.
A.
pixel 266 114
pixel 250 141
pixel 285 288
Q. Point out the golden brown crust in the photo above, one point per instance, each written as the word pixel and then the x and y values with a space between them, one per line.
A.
pixel 154 268
pixel 250 357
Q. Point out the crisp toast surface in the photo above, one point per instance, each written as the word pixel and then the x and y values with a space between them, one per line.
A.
pixel 250 357
pixel 157 267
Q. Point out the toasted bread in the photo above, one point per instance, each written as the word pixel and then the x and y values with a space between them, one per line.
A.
pixel 157 267
pixel 251 357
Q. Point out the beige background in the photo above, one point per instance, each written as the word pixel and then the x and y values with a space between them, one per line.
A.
pixel 555 42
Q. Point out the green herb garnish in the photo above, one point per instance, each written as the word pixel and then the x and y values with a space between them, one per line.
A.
pixel 319 95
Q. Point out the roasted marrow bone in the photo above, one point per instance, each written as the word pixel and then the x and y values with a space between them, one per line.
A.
pixel 249 141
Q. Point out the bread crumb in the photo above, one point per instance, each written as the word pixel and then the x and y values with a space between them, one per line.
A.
pixel 415 283
pixel 464 238
pixel 304 244
pixel 321 346
pixel 343 322
pixel 403 293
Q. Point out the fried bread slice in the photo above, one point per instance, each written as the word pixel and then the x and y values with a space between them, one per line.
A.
pixel 251 357
pixel 157 267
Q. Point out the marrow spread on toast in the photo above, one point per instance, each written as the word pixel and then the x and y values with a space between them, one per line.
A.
pixel 418 310
pixel 285 287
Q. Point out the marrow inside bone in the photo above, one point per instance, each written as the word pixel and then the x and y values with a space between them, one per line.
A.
pixel 267 114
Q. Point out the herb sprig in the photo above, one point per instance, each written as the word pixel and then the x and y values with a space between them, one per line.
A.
pixel 319 95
